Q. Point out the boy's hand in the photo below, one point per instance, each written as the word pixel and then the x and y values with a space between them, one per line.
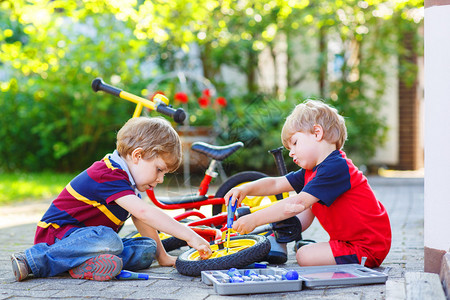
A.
pixel 202 247
pixel 244 225
pixel 205 252
pixel 237 194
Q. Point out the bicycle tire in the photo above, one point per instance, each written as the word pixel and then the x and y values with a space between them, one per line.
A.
pixel 237 179
pixel 169 243
pixel 173 243
pixel 241 259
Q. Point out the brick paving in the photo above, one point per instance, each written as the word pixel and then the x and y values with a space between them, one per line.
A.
pixel 402 197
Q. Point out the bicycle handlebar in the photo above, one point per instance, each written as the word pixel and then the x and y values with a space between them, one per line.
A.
pixel 178 115
pixel 99 85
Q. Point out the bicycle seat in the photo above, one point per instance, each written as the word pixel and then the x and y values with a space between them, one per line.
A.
pixel 182 199
pixel 216 152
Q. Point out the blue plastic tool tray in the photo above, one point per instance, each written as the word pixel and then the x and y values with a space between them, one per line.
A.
pixel 320 276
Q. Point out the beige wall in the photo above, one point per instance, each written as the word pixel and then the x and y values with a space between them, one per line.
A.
pixel 437 132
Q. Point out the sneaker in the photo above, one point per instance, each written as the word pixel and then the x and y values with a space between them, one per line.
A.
pixel 102 267
pixel 20 266
pixel 278 252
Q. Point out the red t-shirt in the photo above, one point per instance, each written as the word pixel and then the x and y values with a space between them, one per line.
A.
pixel 347 208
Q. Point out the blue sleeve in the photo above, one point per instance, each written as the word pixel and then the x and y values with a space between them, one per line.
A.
pixel 331 181
pixel 297 180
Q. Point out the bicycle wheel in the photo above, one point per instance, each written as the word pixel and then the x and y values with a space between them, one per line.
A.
pixel 243 250
pixel 237 180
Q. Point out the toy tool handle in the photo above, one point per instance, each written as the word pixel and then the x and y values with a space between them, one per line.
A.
pixel 128 275
pixel 230 212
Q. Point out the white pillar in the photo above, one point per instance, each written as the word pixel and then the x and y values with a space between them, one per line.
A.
pixel 437 133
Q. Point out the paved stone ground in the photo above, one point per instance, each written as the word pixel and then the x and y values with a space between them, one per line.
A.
pixel 403 198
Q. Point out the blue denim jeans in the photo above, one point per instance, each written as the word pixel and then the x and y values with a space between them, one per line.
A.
pixel 85 243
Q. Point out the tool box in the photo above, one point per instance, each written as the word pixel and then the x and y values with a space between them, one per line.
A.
pixel 271 280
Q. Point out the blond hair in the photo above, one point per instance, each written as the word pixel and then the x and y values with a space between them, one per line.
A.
pixel 155 136
pixel 312 112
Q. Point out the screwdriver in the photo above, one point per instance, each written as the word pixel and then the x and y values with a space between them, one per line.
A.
pixel 230 218
pixel 128 275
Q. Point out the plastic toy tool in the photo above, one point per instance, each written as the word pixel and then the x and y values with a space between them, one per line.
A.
pixel 230 218
pixel 128 275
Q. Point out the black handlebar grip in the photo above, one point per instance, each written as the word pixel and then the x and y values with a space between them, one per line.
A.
pixel 178 115
pixel 99 85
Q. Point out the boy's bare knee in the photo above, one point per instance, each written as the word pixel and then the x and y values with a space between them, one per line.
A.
pixel 316 254
pixel 307 256
pixel 302 256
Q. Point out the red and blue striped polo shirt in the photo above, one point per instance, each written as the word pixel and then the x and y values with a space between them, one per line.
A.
pixel 88 200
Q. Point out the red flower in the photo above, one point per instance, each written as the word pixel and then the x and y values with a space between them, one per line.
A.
pixel 221 101
pixel 206 93
pixel 181 97
pixel 203 101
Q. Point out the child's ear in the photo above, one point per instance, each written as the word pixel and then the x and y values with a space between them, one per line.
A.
pixel 136 155
pixel 318 132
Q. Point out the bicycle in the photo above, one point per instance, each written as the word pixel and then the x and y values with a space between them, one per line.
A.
pixel 210 228
pixel 216 154
pixel 244 249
